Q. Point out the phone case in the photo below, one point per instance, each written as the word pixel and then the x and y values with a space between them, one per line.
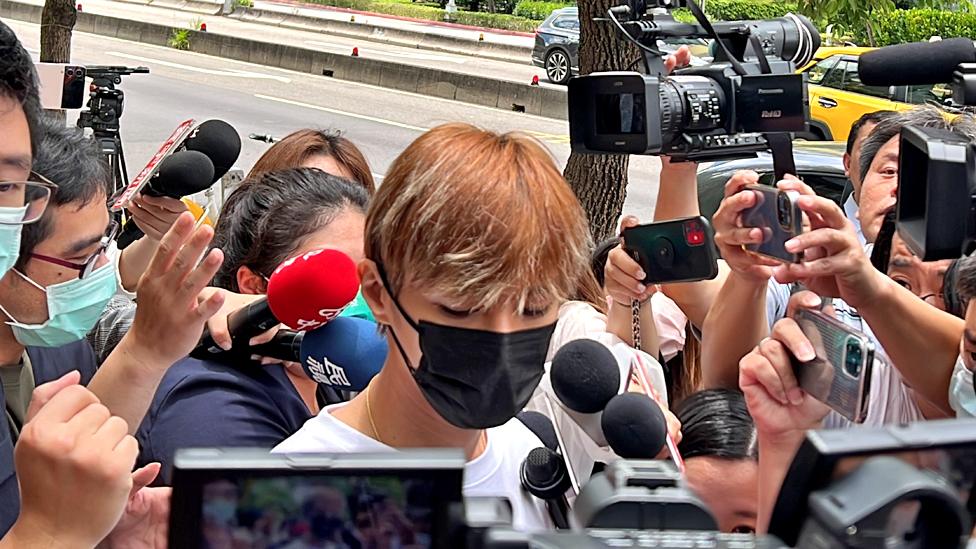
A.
pixel 679 250
pixel 840 376
pixel 778 215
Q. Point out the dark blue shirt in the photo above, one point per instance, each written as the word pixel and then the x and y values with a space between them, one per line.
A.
pixel 48 364
pixel 209 404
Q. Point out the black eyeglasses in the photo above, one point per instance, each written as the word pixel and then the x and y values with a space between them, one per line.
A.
pixel 86 268
pixel 31 196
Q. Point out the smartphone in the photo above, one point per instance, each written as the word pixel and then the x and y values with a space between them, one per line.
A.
pixel 776 212
pixel 679 250
pixel 62 86
pixel 840 375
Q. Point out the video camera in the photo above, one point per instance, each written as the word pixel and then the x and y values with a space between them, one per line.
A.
pixel 718 111
pixel 105 101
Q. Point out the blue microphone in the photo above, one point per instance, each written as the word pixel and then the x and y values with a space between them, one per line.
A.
pixel 344 354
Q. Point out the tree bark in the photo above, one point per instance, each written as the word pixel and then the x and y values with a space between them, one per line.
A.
pixel 600 181
pixel 57 20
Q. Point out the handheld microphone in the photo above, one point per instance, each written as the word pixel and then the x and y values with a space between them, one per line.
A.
pixel 182 173
pixel 585 376
pixel 303 293
pixel 916 63
pixel 634 426
pixel 543 474
pixel 541 427
pixel 214 139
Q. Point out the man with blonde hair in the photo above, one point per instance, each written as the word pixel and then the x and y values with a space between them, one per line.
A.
pixel 472 243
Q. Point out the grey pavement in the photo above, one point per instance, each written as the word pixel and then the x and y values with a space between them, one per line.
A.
pixel 258 99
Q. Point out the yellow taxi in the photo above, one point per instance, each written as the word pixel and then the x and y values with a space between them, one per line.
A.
pixel 838 98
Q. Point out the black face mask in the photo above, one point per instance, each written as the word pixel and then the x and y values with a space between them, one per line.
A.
pixel 475 379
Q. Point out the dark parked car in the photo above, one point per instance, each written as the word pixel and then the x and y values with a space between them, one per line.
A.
pixel 820 164
pixel 557 45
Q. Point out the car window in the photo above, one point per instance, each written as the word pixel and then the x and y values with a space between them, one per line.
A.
pixel 566 23
pixel 918 95
pixel 815 74
pixel 852 81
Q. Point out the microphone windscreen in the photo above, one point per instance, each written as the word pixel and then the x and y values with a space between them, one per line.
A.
pixel 585 375
pixel 310 290
pixel 544 474
pixel 219 141
pixel 182 173
pixel 634 426
pixel 345 353
pixel 916 63
pixel 541 426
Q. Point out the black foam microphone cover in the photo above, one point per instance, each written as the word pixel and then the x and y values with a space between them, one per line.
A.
pixel 181 174
pixel 585 375
pixel 541 426
pixel 634 426
pixel 219 141
pixel 916 63
pixel 544 474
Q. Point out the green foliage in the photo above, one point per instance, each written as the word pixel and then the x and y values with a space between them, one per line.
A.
pixel 538 10
pixel 180 39
pixel 920 24
pixel 243 3
pixel 429 13
pixel 196 23
pixel 736 10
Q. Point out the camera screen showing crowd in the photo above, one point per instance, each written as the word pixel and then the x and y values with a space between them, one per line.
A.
pixel 453 358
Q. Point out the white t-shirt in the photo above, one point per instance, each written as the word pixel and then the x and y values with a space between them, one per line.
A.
pixel 851 210
pixel 891 400
pixel 495 473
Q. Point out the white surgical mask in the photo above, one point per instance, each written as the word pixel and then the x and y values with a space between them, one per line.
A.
pixel 962 394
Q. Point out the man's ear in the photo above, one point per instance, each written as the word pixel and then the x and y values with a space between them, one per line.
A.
pixel 250 282
pixel 374 292
pixel 847 165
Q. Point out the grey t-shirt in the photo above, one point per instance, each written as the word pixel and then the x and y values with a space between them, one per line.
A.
pixel 18 385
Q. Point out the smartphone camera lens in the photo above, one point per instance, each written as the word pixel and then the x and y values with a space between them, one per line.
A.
pixel 853 357
pixel 783 210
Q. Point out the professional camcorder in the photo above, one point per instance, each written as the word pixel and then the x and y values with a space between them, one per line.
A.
pixel 895 487
pixel 717 111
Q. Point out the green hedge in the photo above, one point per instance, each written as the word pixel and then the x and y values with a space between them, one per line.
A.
pixel 538 10
pixel 429 13
pixel 919 25
pixel 735 10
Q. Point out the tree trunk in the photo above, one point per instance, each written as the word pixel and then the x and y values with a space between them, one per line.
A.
pixel 600 181
pixel 57 20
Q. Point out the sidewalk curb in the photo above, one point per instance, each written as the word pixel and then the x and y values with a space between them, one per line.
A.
pixel 196 6
pixel 476 90
pixel 375 33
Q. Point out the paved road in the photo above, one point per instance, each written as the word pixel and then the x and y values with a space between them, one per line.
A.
pixel 310 39
pixel 257 99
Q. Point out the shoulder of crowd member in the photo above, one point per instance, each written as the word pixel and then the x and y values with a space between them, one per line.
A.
pixel 208 404
pixel 50 363
pixel 112 326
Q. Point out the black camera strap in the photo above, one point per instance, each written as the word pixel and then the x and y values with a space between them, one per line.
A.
pixel 781 145
pixel 707 25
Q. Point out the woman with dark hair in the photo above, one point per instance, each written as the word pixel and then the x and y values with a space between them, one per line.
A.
pixel 277 216
pixel 721 454
pixel 327 151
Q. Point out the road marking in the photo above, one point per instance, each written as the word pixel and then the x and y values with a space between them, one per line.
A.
pixel 450 103
pixel 234 73
pixel 341 113
pixel 377 53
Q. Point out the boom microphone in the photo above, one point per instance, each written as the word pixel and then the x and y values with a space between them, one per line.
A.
pixel 303 293
pixel 585 376
pixel 634 426
pixel 916 63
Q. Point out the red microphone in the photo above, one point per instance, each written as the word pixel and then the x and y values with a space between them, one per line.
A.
pixel 304 293
pixel 308 291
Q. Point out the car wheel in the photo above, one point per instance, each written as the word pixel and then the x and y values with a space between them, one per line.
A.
pixel 557 67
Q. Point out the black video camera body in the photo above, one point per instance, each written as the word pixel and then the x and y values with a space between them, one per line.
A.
pixel 713 112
